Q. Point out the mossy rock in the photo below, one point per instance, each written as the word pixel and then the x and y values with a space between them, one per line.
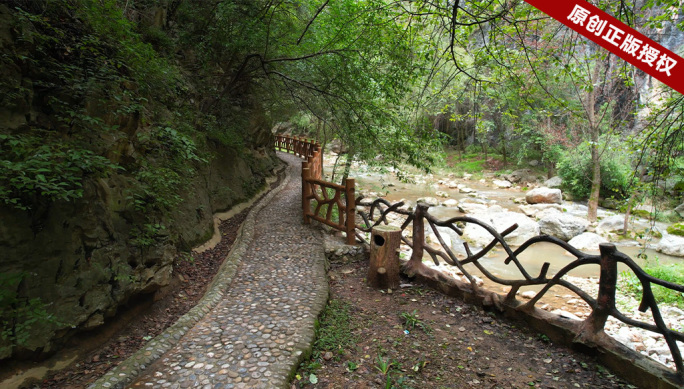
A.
pixel 641 213
pixel 676 229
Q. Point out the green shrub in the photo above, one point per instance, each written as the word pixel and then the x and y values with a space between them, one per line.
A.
pixel 40 165
pixel 575 169
pixel 630 284
pixel 676 229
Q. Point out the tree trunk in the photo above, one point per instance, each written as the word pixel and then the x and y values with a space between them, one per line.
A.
pixel 595 157
pixel 383 270
pixel 595 183
pixel 347 166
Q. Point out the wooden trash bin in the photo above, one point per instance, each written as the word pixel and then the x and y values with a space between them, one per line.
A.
pixel 383 271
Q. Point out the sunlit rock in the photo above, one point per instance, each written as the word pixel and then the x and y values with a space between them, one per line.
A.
pixel 562 226
pixel 502 183
pixel 544 196
pixel 553 182
pixel 671 245
pixel 500 220
pixel 587 241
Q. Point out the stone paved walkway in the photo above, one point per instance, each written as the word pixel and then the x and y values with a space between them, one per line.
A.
pixel 256 321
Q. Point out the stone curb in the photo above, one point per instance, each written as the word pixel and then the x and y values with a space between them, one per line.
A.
pixel 128 370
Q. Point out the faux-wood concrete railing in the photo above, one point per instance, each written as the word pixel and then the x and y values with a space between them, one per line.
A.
pixel 321 200
pixel 589 332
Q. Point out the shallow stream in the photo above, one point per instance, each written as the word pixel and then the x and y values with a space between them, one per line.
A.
pixel 385 184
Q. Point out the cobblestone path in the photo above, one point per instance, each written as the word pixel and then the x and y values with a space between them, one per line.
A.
pixel 261 323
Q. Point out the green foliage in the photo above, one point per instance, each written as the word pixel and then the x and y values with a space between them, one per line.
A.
pixel 411 321
pixel 18 316
pixel 630 284
pixel 676 229
pixel 148 235
pixel 157 190
pixel 43 168
pixel 334 332
pixel 575 167
pixel 334 213
pixel 384 366
pixel 150 70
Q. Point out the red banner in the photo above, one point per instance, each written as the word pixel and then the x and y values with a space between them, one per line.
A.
pixel 618 38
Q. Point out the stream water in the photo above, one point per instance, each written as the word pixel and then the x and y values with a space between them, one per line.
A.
pixel 387 185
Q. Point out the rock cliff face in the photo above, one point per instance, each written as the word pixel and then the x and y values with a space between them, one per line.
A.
pixel 78 258
pixel 66 265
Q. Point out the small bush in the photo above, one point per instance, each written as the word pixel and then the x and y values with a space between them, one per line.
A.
pixel 630 284
pixel 575 169
pixel 676 229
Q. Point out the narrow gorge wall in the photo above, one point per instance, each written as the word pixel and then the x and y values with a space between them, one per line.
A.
pixel 77 239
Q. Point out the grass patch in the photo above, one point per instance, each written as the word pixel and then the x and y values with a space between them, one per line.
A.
pixel 472 163
pixel 334 331
pixel 630 284
pixel 333 334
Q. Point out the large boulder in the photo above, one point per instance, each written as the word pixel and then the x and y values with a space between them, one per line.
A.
pixel 611 224
pixel 544 195
pixel 520 175
pixel 500 220
pixel 450 237
pixel 587 241
pixel 562 226
pixel 671 245
pixel 553 182
pixel 534 210
pixel 680 210
pixel 472 207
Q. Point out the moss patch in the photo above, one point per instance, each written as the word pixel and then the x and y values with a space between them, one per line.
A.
pixel 676 229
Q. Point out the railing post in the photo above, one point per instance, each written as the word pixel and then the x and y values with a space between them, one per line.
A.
pixel 594 325
pixel 306 192
pixel 350 218
pixel 418 233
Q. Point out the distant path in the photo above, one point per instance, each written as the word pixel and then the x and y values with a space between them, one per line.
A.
pixel 252 331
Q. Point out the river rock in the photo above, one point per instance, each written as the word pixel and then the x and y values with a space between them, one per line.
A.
pixel 520 175
pixel 472 207
pixel 450 237
pixel 450 203
pixel 533 210
pixel 501 220
pixel 609 203
pixel 565 314
pixel 440 193
pixel 544 195
pixel 671 245
pixel 587 241
pixel 431 201
pixel 562 226
pixel 611 224
pixel 465 189
pixel 553 182
pixel 680 210
pixel 502 183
